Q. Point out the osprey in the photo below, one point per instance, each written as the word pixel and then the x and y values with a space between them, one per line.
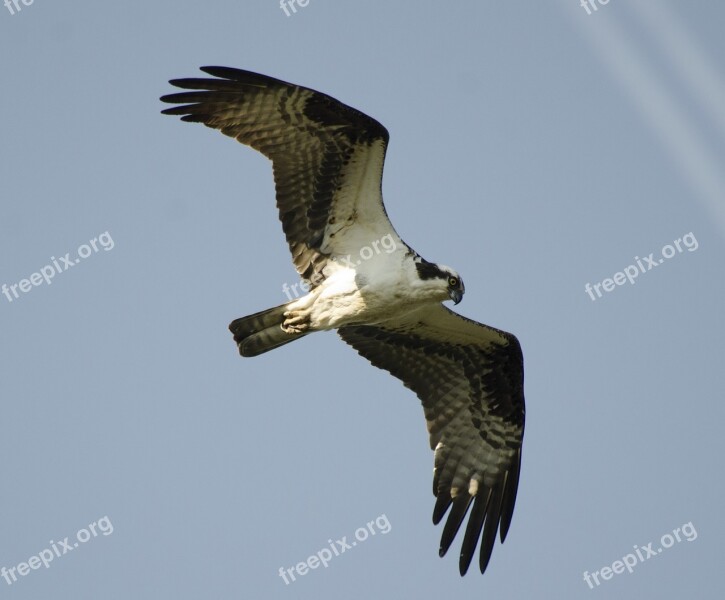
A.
pixel 327 160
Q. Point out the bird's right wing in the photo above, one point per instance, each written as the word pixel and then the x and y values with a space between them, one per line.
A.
pixel 469 378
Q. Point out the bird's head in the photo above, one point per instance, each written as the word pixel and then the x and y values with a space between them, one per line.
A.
pixel 443 281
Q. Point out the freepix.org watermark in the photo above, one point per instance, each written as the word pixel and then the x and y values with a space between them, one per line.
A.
pixel 287 5
pixel 385 243
pixel 14 6
pixel 57 549
pixel 644 265
pixel 686 532
pixel 57 266
pixel 336 548
pixel 591 5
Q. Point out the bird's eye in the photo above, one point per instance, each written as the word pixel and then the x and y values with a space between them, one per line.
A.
pixel 452 281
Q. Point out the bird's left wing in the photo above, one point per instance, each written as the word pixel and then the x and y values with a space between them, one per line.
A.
pixel 469 378
pixel 327 159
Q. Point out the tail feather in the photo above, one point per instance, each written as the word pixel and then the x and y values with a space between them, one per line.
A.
pixel 262 331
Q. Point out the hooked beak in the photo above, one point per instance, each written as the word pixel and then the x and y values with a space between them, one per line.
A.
pixel 456 296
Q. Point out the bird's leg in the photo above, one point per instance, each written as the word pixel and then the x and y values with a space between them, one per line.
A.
pixel 296 321
pixel 297 317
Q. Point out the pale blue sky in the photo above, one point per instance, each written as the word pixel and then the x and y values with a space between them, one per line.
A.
pixel 535 148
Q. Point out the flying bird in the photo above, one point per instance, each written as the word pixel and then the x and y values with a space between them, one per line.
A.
pixel 327 160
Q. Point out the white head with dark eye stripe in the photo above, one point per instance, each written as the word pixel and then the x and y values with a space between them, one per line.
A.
pixel 441 279
pixel 456 289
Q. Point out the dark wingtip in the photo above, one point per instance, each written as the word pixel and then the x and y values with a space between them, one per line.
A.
pixel 473 530
pixel 441 506
pixel 242 76
pixel 508 502
pixel 463 566
pixel 483 562
pixel 168 99
pixel 225 72
pixel 461 504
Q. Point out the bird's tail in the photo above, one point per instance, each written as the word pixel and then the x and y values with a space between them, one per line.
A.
pixel 262 331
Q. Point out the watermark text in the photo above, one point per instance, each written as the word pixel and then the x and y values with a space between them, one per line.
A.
pixel 385 243
pixel 631 272
pixel 14 7
pixel 591 5
pixel 57 266
pixel 56 550
pixel 686 532
pixel 287 5
pixel 335 548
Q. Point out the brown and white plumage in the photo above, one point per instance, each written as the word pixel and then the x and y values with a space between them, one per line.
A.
pixel 323 155
pixel 469 378
pixel 327 160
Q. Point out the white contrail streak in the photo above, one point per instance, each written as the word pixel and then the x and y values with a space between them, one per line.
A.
pixel 670 123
